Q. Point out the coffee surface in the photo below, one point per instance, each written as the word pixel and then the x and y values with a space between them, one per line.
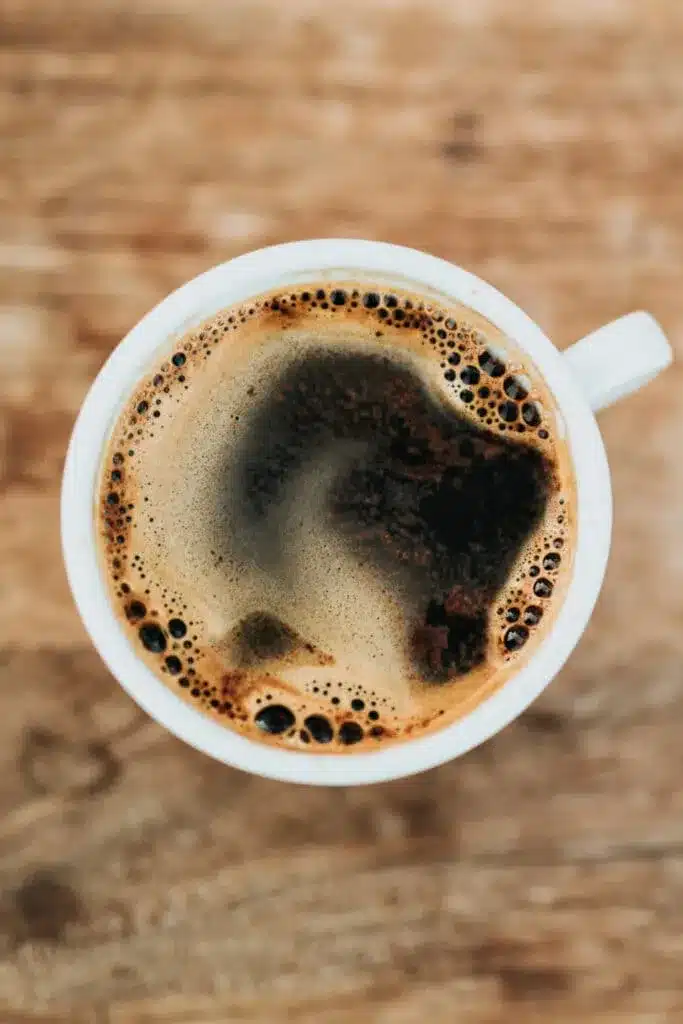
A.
pixel 337 517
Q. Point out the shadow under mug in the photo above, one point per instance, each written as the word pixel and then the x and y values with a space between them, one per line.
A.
pixel 593 373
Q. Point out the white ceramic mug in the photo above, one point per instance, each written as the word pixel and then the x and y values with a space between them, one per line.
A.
pixel 594 372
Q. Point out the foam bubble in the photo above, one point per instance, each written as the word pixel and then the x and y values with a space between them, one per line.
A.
pixel 319 728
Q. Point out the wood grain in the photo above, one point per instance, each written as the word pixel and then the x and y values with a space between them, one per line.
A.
pixel 541 876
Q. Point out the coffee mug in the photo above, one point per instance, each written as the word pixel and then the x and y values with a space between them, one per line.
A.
pixel 593 373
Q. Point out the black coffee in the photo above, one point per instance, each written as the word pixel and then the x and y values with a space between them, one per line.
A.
pixel 338 516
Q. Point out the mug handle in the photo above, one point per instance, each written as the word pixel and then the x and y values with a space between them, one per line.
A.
pixel 619 358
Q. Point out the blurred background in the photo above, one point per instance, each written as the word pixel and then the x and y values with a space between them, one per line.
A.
pixel 540 877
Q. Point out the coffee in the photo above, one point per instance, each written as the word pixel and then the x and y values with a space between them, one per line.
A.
pixel 337 517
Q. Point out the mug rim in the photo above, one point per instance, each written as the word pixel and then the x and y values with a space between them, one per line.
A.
pixel 236 280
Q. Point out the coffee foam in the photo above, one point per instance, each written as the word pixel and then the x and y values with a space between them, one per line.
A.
pixel 276 620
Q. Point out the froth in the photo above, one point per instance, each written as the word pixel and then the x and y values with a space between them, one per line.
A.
pixel 337 517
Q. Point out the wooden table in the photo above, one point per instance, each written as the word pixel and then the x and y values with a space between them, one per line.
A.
pixel 538 879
